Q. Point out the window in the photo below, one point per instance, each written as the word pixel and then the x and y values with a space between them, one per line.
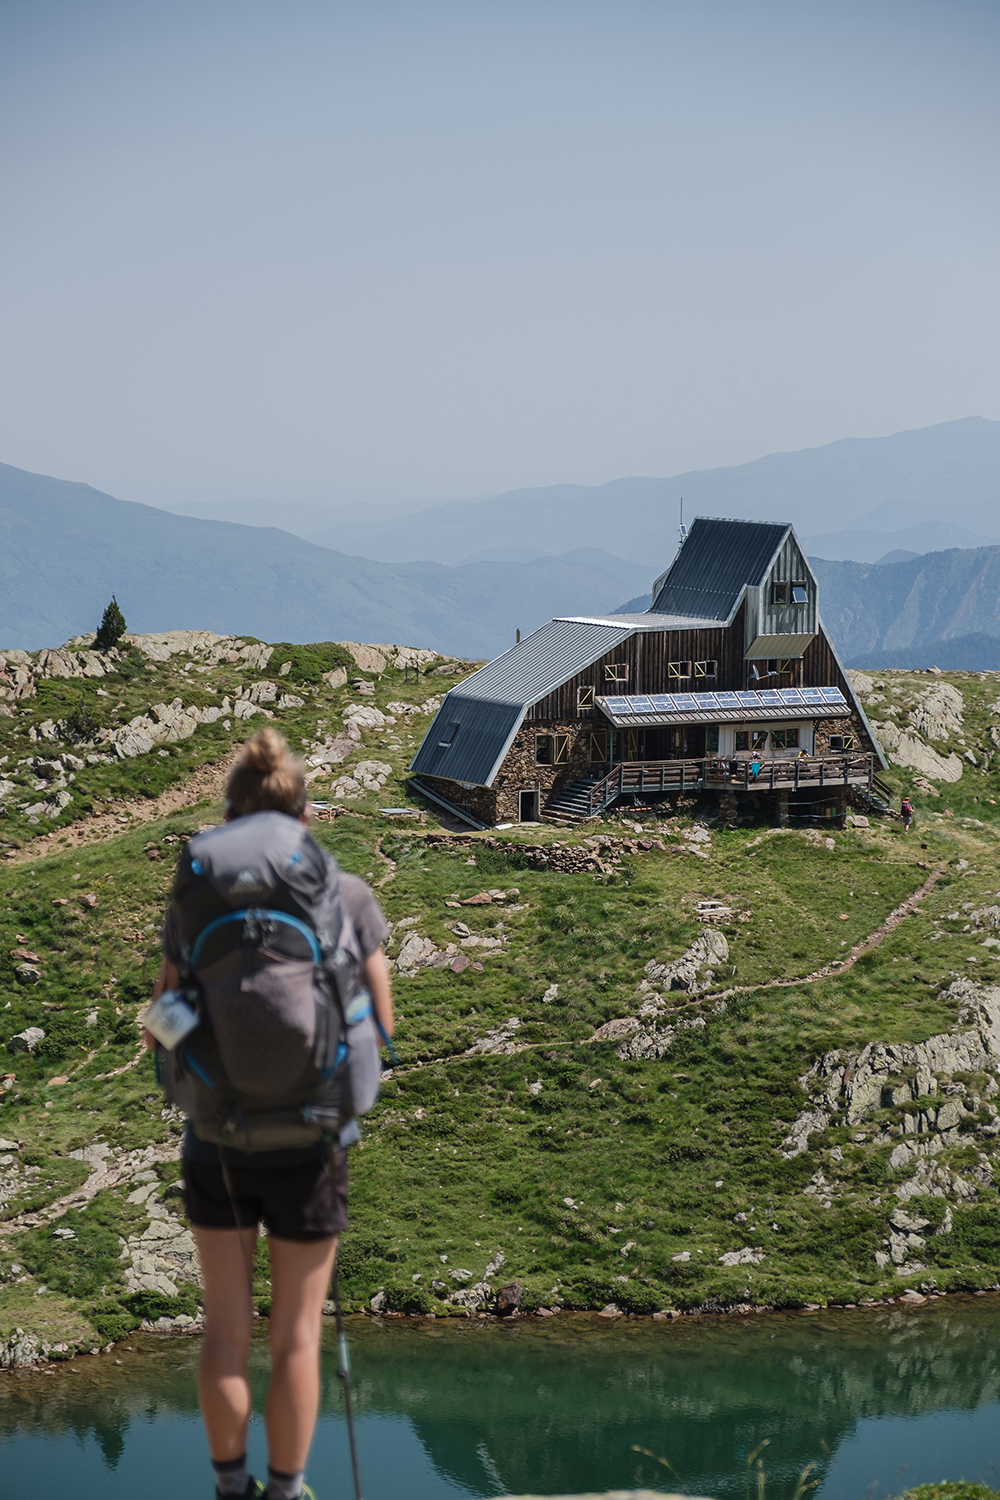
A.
pixel 598 747
pixel 779 593
pixel 711 739
pixel 841 742
pixel 561 749
pixel 706 669
pixel 758 739
pixel 786 667
pixel 772 666
pixel 448 738
pixel 678 669
pixel 784 739
pixel 543 749
pixel 616 672
pixel 800 594
pixel 743 739
pixel 585 697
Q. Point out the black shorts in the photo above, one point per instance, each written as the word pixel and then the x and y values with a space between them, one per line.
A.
pixel 297 1202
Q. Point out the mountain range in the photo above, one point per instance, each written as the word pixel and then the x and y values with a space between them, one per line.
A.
pixel 921 491
pixel 509 563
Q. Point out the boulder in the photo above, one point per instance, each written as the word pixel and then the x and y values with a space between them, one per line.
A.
pixel 509 1298
pixel 26 1041
pixel 692 971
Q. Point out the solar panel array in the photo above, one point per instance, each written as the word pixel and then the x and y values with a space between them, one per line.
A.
pixel 701 703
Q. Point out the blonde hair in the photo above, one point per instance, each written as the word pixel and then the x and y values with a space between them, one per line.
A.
pixel 266 778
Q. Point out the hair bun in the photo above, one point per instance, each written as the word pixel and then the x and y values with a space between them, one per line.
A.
pixel 265 752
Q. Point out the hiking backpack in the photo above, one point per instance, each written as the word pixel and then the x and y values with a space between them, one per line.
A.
pixel 286 1050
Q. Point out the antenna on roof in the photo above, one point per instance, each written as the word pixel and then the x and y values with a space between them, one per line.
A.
pixel 682 528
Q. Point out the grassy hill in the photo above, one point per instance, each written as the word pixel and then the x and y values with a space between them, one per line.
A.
pixel 557 1103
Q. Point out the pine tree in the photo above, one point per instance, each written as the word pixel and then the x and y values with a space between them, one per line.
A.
pixel 112 629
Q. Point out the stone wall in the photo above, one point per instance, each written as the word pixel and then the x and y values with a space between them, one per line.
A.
pixel 519 772
pixel 845 726
pixel 479 801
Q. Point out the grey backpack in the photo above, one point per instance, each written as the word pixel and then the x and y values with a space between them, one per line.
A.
pixel 286 1052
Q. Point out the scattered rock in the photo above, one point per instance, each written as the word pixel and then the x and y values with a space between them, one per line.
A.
pixel 748 1256
pixel 26 1041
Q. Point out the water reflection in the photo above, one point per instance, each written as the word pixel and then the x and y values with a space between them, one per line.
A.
pixel 885 1399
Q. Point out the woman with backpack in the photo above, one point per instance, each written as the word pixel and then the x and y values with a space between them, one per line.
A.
pixel 907 811
pixel 299 1194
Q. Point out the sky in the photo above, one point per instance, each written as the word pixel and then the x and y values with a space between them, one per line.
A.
pixel 359 252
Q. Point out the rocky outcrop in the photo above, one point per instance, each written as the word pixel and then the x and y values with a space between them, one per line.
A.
pixel 641 1040
pixel 163 1257
pixel 692 972
pixel 909 750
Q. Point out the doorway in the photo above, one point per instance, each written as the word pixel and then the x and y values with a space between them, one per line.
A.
pixel 527 807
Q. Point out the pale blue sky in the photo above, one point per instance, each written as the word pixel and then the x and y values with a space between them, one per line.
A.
pixel 434 250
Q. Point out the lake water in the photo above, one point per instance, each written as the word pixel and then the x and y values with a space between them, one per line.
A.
pixel 877 1401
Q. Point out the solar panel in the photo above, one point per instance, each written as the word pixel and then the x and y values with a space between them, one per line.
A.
pixel 617 705
pixel 707 702
pixel 685 701
pixel 812 695
pixel 790 695
pixel 662 702
pixel 640 704
pixel 748 700
pixel 832 695
pixel 769 698
pixel 727 700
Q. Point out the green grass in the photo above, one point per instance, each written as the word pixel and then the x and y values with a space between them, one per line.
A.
pixel 461 1158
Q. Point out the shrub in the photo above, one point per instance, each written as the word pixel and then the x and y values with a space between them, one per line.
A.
pixel 500 861
pixel 112 1321
pixel 310 662
pixel 80 723
pixel 153 1305
pixel 112 629
pixel 407 1299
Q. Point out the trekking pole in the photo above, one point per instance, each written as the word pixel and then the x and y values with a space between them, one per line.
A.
pixel 344 1376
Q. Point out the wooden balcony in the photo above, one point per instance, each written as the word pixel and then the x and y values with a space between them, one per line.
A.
pixel 714 774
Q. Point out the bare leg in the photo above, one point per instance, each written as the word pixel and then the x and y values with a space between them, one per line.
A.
pixel 223 1386
pixel 300 1275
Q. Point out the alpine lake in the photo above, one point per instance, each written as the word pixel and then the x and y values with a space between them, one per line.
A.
pixel 875 1400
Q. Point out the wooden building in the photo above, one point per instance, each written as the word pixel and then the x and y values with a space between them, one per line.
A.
pixel 727 685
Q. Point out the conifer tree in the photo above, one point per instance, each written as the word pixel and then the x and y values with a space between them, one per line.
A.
pixel 112 629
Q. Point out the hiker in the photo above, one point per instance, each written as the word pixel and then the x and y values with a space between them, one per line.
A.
pixel 907 811
pixel 299 1194
pixel 755 766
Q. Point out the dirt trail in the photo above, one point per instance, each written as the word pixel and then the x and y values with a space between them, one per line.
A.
pixel 106 1171
pixel 204 785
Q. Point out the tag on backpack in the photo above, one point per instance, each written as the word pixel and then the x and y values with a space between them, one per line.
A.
pixel 170 1019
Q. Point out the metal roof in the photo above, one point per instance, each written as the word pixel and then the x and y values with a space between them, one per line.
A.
pixel 473 751
pixel 545 659
pixel 646 709
pixel 645 621
pixel 717 560
pixel 489 706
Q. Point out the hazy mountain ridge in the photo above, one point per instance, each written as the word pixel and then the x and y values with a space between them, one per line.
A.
pixel 66 547
pixel 934 487
pixel 894 612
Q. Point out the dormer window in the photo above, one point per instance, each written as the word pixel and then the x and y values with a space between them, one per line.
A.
pixel 448 737
pixel 800 594
pixel 779 593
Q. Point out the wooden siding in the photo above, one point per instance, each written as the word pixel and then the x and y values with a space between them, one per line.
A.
pixel 790 566
pixel 647 655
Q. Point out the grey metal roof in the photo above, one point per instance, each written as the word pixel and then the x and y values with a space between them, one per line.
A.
pixel 545 659
pixel 473 752
pixel 716 562
pixel 489 706
pixel 646 621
